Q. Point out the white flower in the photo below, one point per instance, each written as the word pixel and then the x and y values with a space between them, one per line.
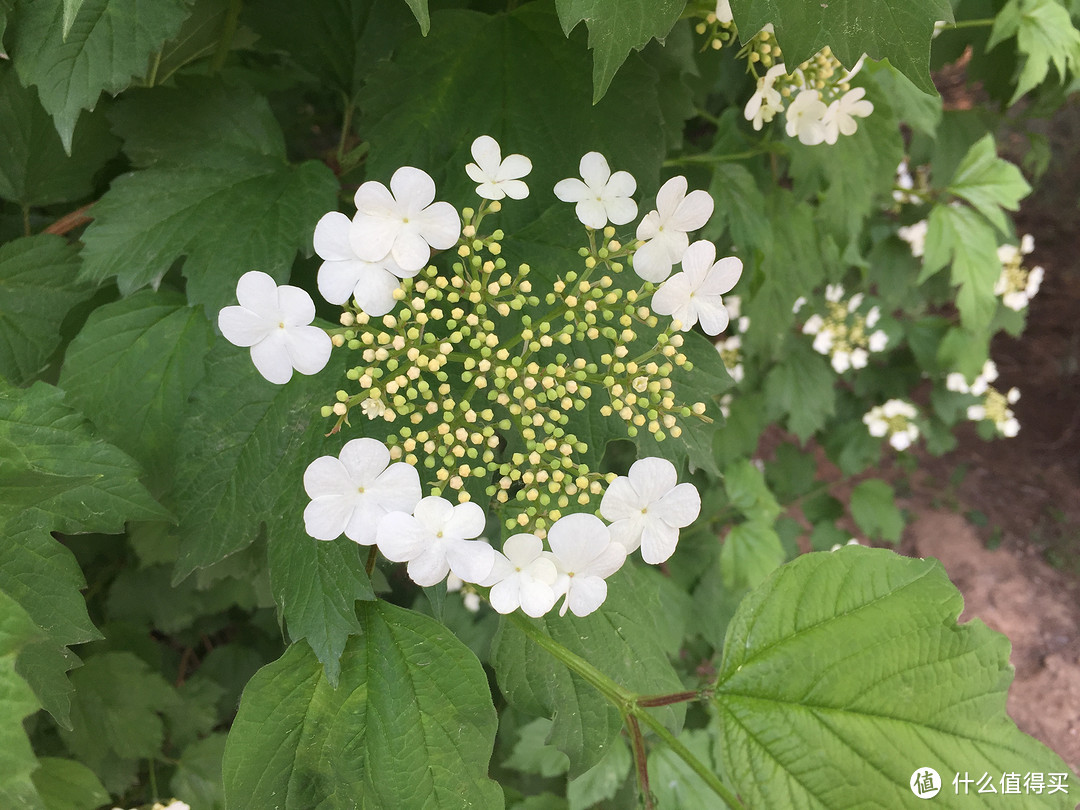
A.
pixel 730 350
pixel 402 222
pixel 695 294
pixel 834 292
pixel 356 491
pixel 893 419
pixel 647 508
pixel 344 275
pixel 766 101
pixel 957 382
pixel 665 229
pixel 905 182
pixel 523 576
pixel 437 539
pixel 174 804
pixel 274 322
pixel 839 118
pixel 603 196
pixel 851 542
pixel 373 408
pixel 585 556
pixel 841 360
pixel 806 118
pixel 498 177
pixel 915 236
pixel 878 340
pixel 800 302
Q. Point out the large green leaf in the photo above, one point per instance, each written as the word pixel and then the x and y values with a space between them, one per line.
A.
pixel 801 389
pixel 410 725
pixel 1045 35
pixel 37 289
pixel 960 235
pixel 845 672
pixel 627 638
pixel 227 201
pixel 34 168
pixel 989 183
pixel 107 44
pixel 131 369
pixel 615 28
pixel 884 29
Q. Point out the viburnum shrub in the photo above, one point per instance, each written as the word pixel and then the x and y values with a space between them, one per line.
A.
pixel 436 415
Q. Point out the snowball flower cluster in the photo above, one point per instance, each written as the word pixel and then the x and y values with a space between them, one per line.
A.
pixel 694 295
pixel 362 495
pixel 601 196
pixel 895 420
pixel 275 323
pixel 1017 285
pixel 842 333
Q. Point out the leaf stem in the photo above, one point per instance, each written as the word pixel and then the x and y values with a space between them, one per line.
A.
pixel 346 125
pixel 153 779
pixel 687 160
pixel 983 23
pixel 228 31
pixel 641 761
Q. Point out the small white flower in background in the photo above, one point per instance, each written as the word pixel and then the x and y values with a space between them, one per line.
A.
pixel 982 382
pixel 470 599
pixel 665 230
pixel 344 275
pixel 851 542
pixel 730 350
pixel 800 302
pixel 1016 285
pixel 915 236
pixel 437 538
pixel 523 577
pixel 995 407
pixel 274 322
pixel 894 420
pixel 354 492
pixel 498 177
pixel 585 555
pixel 957 382
pixel 905 182
pixel 402 221
pixel 842 333
pixel 648 506
pixel 174 804
pixel 601 196
pixel 373 408
pixel 839 118
pixel 806 118
pixel 695 294
pixel 766 101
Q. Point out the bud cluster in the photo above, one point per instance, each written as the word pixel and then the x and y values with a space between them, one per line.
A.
pixel 1017 285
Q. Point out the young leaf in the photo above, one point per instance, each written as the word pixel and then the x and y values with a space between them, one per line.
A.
pixel 899 32
pixel 615 28
pixel 107 44
pixel 1044 34
pixel 887 683
pixel 989 183
pixel 410 725
pixel 873 505
pixel 962 235
pixel 38 288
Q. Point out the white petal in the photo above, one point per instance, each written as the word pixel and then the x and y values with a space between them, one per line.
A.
pixel 699 257
pixel 621 184
pixel 487 154
pixel 505 595
pixel 467 521
pixel 594 170
pixel 309 349
pixel 658 541
pixel 680 507
pixel 669 197
pixel 514 189
pixel 364 523
pixel 536 598
pixel 338 279
pixel 649 226
pixel 586 595
pixel 429 568
pixel 402 537
pixel 472 560
pixel 398 488
pixel 627 532
pixel 515 167
pixel 653 478
pixel 439 225
pixel 271 358
pixel 374 199
pixel 673 294
pixel 326 475
pixel 571 190
pixel 332 237
pixel 373 237
pixel 374 290
pixel 412 188
pixel 258 292
pixel 434 513
pixel 577 539
pixel 326 518
pixel 693 212
pixel 242 327
pixel 364 459
pixel 723 276
pixel 712 315
pixel 621 500
pixel 297 308
pixel 620 210
pixel 592 214
pixel 410 250
pixel 651 261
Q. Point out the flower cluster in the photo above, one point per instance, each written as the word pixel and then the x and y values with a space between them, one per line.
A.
pixel 730 348
pixel 843 333
pixel 817 99
pixel 718 25
pixel 372 501
pixel 1017 285
pixel 993 405
pixel 894 419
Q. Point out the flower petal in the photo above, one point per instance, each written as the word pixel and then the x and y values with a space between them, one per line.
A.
pixel 331 237
pixel 693 212
pixel 723 276
pixel 653 478
pixel 410 250
pixel 439 225
pixel 536 598
pixel 271 358
pixel 364 459
pixel 571 190
pixel 413 189
pixel 673 294
pixel 680 507
pixel 487 154
pixel 669 196
pixel 651 261
pixel 309 349
pixel 242 327
pixel 434 513
pixel 466 521
pixel 398 488
pixel 712 315
pixel 402 537
pixel 472 560
pixel 505 595
pixel 297 308
pixel 621 500
pixel 591 214
pixel 514 167
pixel 594 170
pixel 620 210
pixel 338 279
pixel 586 595
pixel 429 567
pixel 326 518
pixel 258 292
pixel 658 541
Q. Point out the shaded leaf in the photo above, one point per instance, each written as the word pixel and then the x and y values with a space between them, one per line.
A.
pixel 960 235
pixel 873 505
pixel 989 183
pixel 65 784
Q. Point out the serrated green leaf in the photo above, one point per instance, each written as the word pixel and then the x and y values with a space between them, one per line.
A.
pixel 1045 35
pixel 198 38
pixel 410 725
pixel 198 774
pixel 17 762
pixel 989 183
pixel 65 784
pixel 746 489
pixel 131 369
pixel 740 207
pixel 883 29
pixel 751 552
pixel 37 290
pixel 624 639
pixel 615 28
pixel 873 505
pixel 887 683
pixel 961 235
pixel 34 168
pixel 107 44
pixel 801 388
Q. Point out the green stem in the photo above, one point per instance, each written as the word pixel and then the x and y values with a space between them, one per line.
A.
pixel 346 125
pixel 151 78
pixel 228 31
pixel 688 160
pixel 372 557
pixel 153 780
pixel 983 23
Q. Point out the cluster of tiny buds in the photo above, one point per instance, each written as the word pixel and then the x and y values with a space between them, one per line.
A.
pixel 717 25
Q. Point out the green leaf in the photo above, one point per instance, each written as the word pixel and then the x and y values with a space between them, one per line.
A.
pixel 420 11
pixel 603 780
pixel 751 552
pixel 106 45
pixel 71 11
pixel 131 370
pixel 746 488
pixel 989 183
pixel 873 505
pixel 34 168
pixel 38 289
pixel 224 195
pixel 198 774
pixel 740 207
pixel 410 725
pixel 17 701
pixel 532 754
pixel 801 387
pixel 65 784
pixel 1044 34
pixel 674 783
pixel 625 639
pixel 961 235
pixel 887 683
pixel 883 29
pixel 615 28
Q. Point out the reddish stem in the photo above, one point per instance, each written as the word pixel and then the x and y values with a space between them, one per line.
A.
pixel 641 765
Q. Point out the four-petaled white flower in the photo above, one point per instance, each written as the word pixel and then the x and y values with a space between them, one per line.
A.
pixel 402 221
pixel 523 576
pixel 695 294
pixel 766 101
pixel 355 492
pixel 498 177
pixel 806 118
pixel 344 275
pixel 647 508
pixel 585 556
pixel 437 539
pixel 274 322
pixel 839 118
pixel 600 195
pixel 665 230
